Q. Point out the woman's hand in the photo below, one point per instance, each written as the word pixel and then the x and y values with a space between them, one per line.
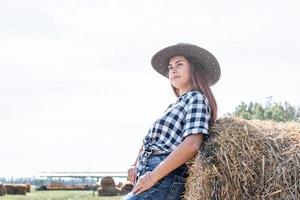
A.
pixel 131 174
pixel 144 183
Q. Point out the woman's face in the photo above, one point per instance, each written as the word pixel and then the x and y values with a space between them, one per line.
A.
pixel 179 73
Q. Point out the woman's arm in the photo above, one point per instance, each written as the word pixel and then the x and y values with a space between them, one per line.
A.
pixel 182 153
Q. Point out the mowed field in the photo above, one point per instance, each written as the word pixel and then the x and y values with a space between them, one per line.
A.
pixel 58 195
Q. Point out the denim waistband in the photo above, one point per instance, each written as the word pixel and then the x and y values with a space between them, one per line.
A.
pixel 180 171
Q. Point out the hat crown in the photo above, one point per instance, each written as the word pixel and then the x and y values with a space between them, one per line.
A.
pixel 182 43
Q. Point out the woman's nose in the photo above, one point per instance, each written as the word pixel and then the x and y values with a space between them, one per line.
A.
pixel 173 71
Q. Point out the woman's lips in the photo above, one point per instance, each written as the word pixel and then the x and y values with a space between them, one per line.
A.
pixel 175 77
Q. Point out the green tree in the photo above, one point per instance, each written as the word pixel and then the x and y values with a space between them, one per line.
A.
pixel 250 108
pixel 270 111
pixel 291 112
pixel 278 112
pixel 258 111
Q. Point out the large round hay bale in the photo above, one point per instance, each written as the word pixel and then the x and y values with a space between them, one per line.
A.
pixel 10 188
pixel 107 191
pixel 21 189
pixel 107 181
pixel 2 190
pixel 29 188
pixel 119 185
pixel 247 160
pixel 108 187
pixel 126 188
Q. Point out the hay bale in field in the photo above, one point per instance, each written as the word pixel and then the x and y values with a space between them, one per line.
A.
pixel 119 185
pixel 2 190
pixel 10 188
pixel 107 181
pixel 29 188
pixel 126 188
pixel 247 160
pixel 108 191
pixel 21 189
pixel 107 187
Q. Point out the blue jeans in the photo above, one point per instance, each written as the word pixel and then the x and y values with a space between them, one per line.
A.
pixel 171 187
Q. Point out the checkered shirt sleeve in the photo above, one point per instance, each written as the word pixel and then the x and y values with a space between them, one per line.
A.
pixel 197 118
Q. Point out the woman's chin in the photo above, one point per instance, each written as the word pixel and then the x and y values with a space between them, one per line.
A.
pixel 176 84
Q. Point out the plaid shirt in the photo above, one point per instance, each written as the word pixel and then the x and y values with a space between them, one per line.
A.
pixel 189 115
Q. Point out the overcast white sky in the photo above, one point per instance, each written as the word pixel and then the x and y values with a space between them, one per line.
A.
pixel 77 90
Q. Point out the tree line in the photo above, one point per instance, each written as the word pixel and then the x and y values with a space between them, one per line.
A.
pixel 276 111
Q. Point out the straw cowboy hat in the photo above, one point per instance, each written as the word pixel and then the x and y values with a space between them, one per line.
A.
pixel 160 60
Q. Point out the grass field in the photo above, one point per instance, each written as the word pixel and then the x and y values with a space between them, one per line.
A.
pixel 58 195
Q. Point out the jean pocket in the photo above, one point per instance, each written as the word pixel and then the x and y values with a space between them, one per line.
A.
pixel 178 179
pixel 164 184
pixel 177 188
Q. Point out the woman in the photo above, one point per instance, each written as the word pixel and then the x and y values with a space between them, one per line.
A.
pixel 160 170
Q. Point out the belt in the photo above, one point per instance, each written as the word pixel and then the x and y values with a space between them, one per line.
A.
pixel 158 152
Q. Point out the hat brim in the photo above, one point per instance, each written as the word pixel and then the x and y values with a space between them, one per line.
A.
pixel 160 60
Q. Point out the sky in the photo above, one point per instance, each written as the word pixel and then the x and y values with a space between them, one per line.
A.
pixel 77 89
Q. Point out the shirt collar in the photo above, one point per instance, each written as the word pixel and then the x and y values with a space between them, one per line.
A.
pixel 183 95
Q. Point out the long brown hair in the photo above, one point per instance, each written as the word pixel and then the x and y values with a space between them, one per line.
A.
pixel 199 83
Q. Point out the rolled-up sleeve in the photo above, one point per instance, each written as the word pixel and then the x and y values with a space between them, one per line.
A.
pixel 197 118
